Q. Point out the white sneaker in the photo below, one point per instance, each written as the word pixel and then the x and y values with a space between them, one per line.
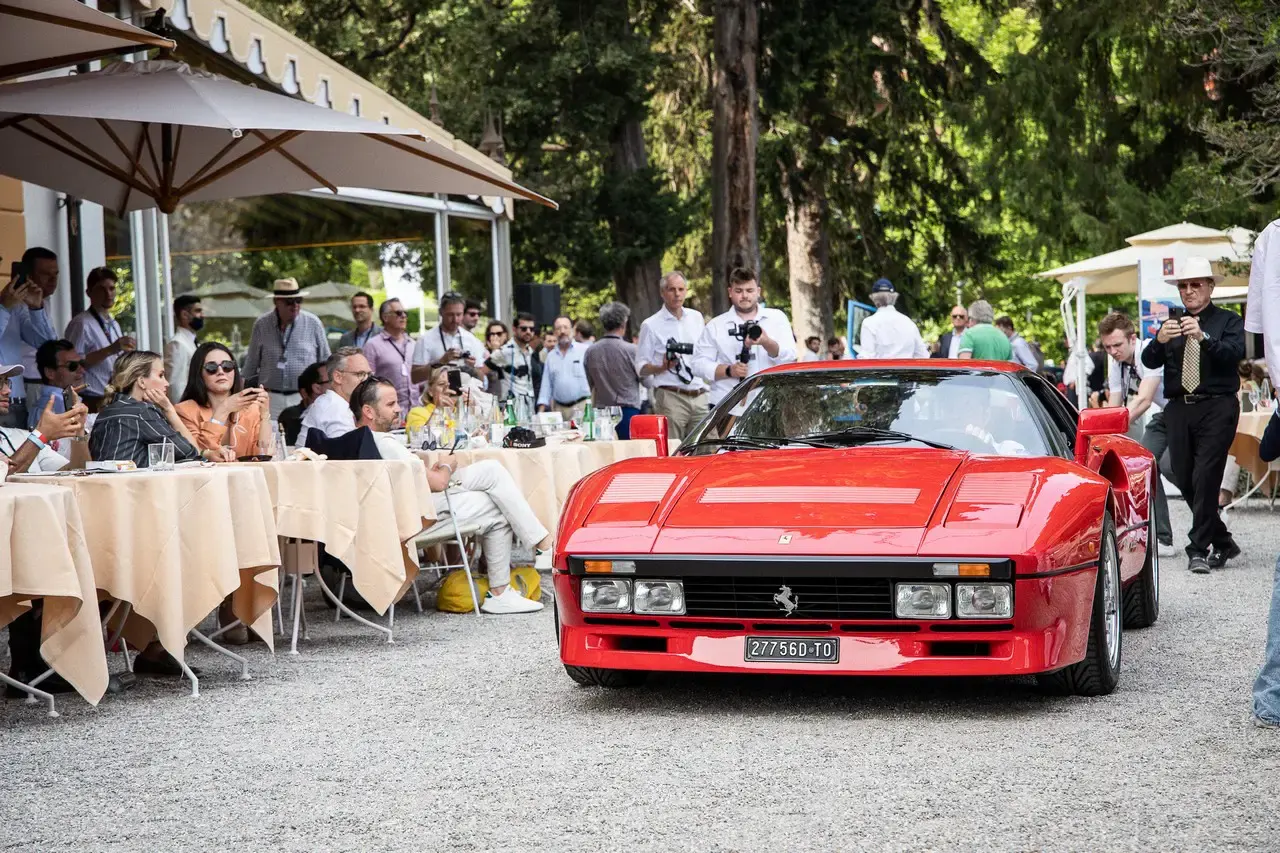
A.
pixel 1259 722
pixel 1166 550
pixel 542 560
pixel 509 602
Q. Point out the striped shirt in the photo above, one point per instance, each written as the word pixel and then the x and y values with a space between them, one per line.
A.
pixel 298 347
pixel 125 427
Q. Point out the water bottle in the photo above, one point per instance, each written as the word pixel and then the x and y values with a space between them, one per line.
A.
pixel 278 441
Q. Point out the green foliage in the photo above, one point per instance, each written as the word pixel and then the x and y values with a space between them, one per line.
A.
pixel 967 143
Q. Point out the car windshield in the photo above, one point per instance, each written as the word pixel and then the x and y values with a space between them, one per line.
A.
pixel 975 412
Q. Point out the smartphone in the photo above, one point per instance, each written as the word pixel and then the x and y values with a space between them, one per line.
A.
pixel 455 381
pixel 71 399
pixel 17 273
pixel 1176 313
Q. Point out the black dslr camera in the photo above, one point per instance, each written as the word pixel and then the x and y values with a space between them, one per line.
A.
pixel 748 331
pixel 675 349
pixel 520 371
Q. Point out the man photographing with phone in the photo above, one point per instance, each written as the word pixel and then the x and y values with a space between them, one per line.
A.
pixel 96 333
pixel 1199 349
pixel 23 322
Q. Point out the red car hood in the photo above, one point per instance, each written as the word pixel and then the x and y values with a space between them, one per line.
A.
pixel 845 489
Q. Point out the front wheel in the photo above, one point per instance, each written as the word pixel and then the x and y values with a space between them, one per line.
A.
pixel 590 676
pixel 1099 672
pixel 1142 598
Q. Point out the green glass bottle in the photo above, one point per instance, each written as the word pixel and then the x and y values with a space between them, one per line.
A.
pixel 588 422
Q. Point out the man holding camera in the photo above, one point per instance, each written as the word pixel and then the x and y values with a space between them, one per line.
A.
pixel 517 366
pixel 743 340
pixel 665 339
pixel 1199 348
pixel 449 344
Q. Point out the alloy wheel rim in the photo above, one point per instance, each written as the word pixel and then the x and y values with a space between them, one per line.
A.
pixel 1111 601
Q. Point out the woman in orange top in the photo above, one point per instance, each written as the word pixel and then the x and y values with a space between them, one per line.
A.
pixel 218 410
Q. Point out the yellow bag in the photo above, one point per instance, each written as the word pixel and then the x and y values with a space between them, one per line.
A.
pixel 453 596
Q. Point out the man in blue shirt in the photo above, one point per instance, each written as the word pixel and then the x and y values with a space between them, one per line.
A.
pixel 23 320
pixel 564 378
pixel 59 365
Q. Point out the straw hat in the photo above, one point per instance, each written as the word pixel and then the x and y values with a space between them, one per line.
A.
pixel 1195 268
pixel 287 288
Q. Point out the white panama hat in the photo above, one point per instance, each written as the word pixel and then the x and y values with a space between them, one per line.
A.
pixel 1194 267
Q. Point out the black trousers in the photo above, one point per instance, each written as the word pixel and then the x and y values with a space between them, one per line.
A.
pixel 1156 439
pixel 1200 435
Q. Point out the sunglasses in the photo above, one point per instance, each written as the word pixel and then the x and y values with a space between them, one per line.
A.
pixel 473 313
pixel 212 367
pixel 399 313
pixel 1191 285
pixel 72 365
pixel 292 300
pixel 958 317
pixel 524 328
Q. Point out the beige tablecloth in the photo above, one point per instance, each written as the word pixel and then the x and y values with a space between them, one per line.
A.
pixel 546 474
pixel 174 544
pixel 1246 444
pixel 363 511
pixel 45 556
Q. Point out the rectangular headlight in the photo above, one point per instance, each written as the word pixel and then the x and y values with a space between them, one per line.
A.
pixel 984 601
pixel 659 597
pixel 606 595
pixel 922 601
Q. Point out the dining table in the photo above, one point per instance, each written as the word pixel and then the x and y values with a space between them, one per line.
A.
pixel 365 512
pixel 46 560
pixel 172 545
pixel 1245 448
pixel 546 474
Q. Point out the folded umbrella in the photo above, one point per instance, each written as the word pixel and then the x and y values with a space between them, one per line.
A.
pixel 158 134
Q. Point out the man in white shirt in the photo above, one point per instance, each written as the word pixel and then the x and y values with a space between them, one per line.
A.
pixel 331 412
pixel 1263 315
pixel 717 357
pixel 678 394
pixel 96 334
pixel 484 493
pixel 1131 383
pixel 886 333
pixel 188 318
pixel 812 349
pixel 448 344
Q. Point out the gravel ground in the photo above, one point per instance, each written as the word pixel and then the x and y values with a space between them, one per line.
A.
pixel 467 736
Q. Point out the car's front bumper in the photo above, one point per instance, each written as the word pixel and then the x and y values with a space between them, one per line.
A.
pixel 1049 630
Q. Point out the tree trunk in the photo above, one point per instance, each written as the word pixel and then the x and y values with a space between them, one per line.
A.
pixel 807 268
pixel 636 276
pixel 734 239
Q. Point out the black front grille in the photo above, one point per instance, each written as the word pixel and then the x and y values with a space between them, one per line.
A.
pixel 813 598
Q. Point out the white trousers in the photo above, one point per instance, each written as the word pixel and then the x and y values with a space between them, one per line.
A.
pixel 490 498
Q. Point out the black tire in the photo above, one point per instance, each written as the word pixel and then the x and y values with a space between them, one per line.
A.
pixel 1098 673
pixel 590 676
pixel 1142 598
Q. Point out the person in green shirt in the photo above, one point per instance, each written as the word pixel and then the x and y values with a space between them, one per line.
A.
pixel 982 340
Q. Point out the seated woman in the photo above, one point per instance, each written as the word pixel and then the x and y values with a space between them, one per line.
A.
pixel 436 394
pixel 218 410
pixel 136 411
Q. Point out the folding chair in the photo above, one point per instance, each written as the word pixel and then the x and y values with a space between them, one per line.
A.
pixel 445 530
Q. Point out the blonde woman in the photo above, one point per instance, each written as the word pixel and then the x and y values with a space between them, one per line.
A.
pixel 137 411
pixel 436 394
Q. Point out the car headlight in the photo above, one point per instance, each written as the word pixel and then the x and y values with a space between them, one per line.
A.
pixel 984 600
pixel 659 597
pixel 922 601
pixel 606 595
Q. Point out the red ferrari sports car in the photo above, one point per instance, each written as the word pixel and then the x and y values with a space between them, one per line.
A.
pixel 868 518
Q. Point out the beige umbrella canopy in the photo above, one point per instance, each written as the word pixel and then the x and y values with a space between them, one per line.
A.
pixel 157 134
pixel 38 35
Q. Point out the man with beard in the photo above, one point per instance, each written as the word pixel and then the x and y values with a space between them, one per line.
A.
pixel 717 355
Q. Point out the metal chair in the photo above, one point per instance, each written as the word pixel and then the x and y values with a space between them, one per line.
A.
pixel 445 530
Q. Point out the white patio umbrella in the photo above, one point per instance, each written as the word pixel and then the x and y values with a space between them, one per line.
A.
pixel 157 134
pixel 38 35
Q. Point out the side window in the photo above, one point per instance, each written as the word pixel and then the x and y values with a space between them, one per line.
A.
pixel 1061 414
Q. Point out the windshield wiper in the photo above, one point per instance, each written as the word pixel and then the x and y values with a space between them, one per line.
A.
pixel 871 432
pixel 754 442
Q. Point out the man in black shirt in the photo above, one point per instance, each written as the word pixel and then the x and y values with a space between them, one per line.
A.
pixel 1199 351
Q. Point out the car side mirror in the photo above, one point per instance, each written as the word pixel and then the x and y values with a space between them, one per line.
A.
pixel 650 426
pixel 1113 420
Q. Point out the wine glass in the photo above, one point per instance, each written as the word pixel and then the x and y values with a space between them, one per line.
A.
pixel 1255 394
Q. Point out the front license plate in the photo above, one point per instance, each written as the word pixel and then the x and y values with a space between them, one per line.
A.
pixel 793 649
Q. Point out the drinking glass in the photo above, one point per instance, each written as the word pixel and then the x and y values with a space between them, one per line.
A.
pixel 613 417
pixel 1254 396
pixel 160 456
